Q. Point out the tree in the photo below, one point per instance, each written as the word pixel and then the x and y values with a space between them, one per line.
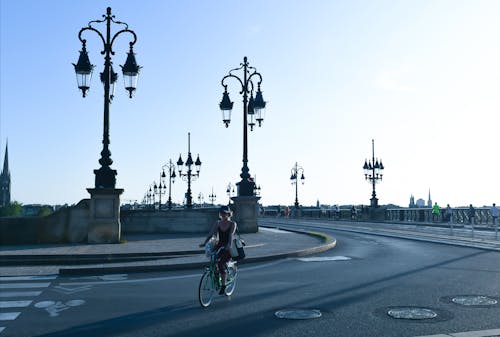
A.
pixel 13 209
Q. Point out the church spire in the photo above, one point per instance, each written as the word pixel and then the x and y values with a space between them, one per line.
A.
pixel 5 179
pixel 6 161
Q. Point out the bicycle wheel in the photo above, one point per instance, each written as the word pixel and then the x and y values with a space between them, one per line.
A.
pixel 206 289
pixel 231 280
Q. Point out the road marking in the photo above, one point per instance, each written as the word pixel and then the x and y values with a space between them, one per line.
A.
pixel 165 278
pixel 14 304
pixel 28 278
pixel 24 285
pixel 9 316
pixel 2 328
pixel 54 308
pixel 324 258
pixel 479 333
pixel 20 293
pixel 71 290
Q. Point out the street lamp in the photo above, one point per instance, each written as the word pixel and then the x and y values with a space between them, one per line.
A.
pixel 212 196
pixel 296 169
pixel 201 199
pixel 105 177
pixel 253 108
pixel 160 189
pixel 373 170
pixel 171 179
pixel 230 191
pixel 189 175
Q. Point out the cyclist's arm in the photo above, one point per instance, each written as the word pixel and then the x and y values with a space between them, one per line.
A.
pixel 213 230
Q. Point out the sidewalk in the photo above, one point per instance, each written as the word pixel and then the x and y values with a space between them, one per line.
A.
pixel 151 252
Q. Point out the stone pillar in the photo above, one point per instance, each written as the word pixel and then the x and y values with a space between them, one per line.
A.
pixel 104 220
pixel 245 213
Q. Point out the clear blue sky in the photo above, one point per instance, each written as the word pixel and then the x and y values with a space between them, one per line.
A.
pixel 420 77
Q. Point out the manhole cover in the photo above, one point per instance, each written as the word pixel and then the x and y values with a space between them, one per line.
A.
pixel 474 300
pixel 411 313
pixel 298 313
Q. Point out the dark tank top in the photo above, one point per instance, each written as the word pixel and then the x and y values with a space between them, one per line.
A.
pixel 224 236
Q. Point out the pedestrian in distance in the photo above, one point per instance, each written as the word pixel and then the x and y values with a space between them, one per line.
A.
pixel 472 215
pixel 353 213
pixel 494 214
pixel 449 217
pixel 225 229
pixel 287 212
pixel 435 212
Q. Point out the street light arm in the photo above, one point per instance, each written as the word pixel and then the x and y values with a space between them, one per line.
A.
pixel 118 33
pixel 234 76
pixel 93 29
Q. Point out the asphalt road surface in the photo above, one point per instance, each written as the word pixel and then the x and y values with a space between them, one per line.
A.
pixel 366 286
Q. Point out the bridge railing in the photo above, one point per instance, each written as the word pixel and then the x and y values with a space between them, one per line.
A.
pixel 459 215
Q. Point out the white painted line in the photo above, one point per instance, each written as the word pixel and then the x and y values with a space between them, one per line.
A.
pixel 479 333
pixel 9 316
pixel 24 285
pixel 324 258
pixel 2 328
pixel 14 304
pixel 274 230
pixel 20 294
pixel 28 278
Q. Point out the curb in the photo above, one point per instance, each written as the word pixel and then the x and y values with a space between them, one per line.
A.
pixel 330 243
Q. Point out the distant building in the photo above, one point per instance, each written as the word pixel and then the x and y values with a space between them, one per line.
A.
pixel 412 202
pixel 420 202
pixel 5 180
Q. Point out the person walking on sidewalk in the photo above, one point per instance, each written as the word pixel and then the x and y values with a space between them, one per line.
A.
pixel 225 229
pixel 435 212
pixel 494 214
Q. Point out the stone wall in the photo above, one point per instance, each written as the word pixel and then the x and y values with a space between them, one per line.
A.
pixel 67 225
pixel 196 220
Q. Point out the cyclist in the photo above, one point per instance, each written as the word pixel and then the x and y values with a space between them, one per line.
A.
pixel 225 229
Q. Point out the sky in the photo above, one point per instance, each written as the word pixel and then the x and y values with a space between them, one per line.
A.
pixel 420 77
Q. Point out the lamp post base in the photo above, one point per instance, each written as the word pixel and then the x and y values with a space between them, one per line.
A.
pixel 104 221
pixel 373 202
pixel 245 188
pixel 245 213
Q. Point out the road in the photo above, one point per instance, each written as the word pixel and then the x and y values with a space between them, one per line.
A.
pixel 354 287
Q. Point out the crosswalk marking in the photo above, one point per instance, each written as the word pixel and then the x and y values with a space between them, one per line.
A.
pixel 19 294
pixel 14 304
pixel 24 285
pixel 8 316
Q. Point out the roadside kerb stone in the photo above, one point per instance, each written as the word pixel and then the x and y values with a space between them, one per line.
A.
pixel 201 261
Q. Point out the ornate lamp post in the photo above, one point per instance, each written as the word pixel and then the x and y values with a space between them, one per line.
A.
pixel 230 191
pixel 253 108
pixel 212 196
pixel 160 189
pixel 189 175
pixel 296 169
pixel 201 199
pixel 374 170
pixel 105 177
pixel 104 221
pixel 171 179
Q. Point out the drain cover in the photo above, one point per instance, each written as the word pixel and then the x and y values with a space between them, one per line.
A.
pixel 411 313
pixel 298 313
pixel 470 300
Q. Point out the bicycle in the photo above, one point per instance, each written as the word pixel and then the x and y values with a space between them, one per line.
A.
pixel 211 281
